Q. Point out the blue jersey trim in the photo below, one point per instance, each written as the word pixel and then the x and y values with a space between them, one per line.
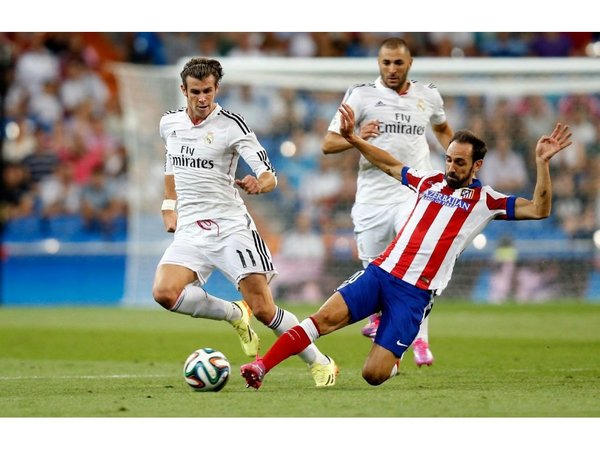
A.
pixel 404 172
pixel 510 207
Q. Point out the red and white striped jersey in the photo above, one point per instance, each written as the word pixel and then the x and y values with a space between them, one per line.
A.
pixel 441 225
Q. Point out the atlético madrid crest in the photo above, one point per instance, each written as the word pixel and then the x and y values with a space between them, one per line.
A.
pixel 467 193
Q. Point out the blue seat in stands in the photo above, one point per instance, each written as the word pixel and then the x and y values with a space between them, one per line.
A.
pixel 25 229
pixel 66 228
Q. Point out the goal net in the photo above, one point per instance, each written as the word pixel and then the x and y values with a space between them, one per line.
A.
pixel 505 92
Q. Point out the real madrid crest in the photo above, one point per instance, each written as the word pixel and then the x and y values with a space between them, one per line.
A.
pixel 209 138
pixel 421 105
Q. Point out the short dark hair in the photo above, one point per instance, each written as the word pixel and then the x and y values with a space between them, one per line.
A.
pixel 201 68
pixel 467 137
pixel 394 42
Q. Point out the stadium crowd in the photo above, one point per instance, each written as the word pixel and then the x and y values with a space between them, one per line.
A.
pixel 64 162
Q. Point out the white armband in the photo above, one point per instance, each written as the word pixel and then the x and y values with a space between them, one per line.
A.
pixel 168 205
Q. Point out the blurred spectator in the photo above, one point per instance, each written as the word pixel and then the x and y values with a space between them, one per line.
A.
pixel 59 194
pixel 208 45
pixel 273 46
pixel 504 44
pixel 98 138
pixel 146 48
pixel 289 112
pixel 36 65
pixel 328 44
pixel 255 107
pixel 301 44
pixel 325 104
pixel 43 160
pixel 82 85
pixel 246 45
pixel 17 196
pixel 538 116
pixel 80 159
pixel 300 263
pixel 179 44
pixel 581 226
pixel 567 203
pixel 579 42
pixel 46 107
pixel 101 205
pixel 321 187
pixel 550 44
pixel 581 112
pixel 575 159
pixel 513 177
pixel 113 119
pixel 457 44
pixel 302 153
pixel 20 140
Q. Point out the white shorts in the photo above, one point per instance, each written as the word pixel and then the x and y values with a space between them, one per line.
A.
pixel 375 226
pixel 233 246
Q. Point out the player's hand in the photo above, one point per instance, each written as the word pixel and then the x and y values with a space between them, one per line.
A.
pixel 370 129
pixel 249 184
pixel 347 122
pixel 170 220
pixel 548 146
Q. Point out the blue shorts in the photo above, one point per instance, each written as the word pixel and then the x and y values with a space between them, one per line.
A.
pixel 403 306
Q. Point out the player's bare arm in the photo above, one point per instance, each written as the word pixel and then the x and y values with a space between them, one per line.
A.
pixel 168 209
pixel 539 206
pixel 376 156
pixel 443 132
pixel 335 143
pixel 261 185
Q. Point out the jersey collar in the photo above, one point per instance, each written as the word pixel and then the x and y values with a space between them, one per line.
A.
pixel 380 85
pixel 214 113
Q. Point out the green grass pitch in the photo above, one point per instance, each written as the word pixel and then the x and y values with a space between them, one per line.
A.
pixel 508 361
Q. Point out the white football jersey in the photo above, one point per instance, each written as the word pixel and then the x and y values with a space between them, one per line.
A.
pixel 403 121
pixel 203 159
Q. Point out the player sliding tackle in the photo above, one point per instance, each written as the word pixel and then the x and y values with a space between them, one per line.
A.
pixel 450 209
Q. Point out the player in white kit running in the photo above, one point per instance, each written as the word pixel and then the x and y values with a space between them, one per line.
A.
pixel 213 229
pixel 393 113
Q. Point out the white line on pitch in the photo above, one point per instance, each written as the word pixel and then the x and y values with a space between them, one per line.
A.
pixel 86 377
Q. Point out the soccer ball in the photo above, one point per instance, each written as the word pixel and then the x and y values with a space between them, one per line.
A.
pixel 206 370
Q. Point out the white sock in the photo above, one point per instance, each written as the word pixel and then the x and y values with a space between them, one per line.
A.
pixel 283 321
pixel 196 302
pixel 424 330
pixel 394 370
pixel 311 330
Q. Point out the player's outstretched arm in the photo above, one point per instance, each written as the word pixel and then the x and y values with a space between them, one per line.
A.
pixel 374 155
pixel 336 143
pixel 540 205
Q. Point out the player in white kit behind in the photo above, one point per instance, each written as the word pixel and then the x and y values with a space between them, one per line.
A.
pixel 392 113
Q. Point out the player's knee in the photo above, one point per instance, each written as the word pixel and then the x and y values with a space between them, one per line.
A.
pixel 374 378
pixel 165 297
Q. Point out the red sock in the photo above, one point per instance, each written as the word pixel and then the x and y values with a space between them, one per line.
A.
pixel 292 342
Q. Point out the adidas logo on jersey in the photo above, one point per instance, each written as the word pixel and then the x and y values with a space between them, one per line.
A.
pixel 379 103
pixel 173 134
